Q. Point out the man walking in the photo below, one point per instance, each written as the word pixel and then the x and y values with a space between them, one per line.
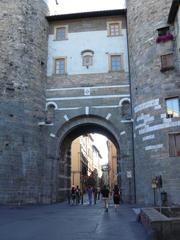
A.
pixel 105 197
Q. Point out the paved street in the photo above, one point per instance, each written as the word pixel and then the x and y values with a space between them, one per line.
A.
pixel 64 222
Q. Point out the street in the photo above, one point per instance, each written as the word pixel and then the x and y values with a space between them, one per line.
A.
pixel 65 222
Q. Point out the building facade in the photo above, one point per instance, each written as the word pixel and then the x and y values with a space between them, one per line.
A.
pixel 85 160
pixel 112 164
pixel 87 89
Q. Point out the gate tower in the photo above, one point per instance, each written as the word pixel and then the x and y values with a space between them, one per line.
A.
pixel 23 36
pixel 154 89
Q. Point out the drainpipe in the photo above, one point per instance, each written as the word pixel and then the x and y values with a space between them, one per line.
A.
pixel 132 122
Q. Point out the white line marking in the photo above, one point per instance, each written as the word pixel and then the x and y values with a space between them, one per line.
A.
pixel 79 88
pixel 86 97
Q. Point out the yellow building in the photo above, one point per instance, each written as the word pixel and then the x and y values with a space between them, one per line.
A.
pixel 85 160
pixel 112 164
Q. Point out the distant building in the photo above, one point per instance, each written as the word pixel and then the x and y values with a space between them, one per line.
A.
pixel 112 163
pixel 85 161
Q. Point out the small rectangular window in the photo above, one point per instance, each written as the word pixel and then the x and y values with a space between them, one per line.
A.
pixel 114 28
pixel 116 63
pixel 174 145
pixel 61 33
pixel 60 66
pixel 167 62
pixel 172 107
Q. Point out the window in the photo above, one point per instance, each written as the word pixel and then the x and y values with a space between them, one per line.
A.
pixel 174 144
pixel 116 63
pixel 60 66
pixel 114 28
pixel 61 33
pixel 87 58
pixel 163 31
pixel 126 110
pixel 50 114
pixel 172 107
pixel 166 62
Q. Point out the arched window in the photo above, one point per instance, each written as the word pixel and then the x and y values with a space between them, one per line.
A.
pixel 87 58
pixel 50 113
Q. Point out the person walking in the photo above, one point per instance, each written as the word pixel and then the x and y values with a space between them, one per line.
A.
pixel 78 194
pixel 105 197
pixel 116 196
pixel 98 193
pixel 95 194
pixel 90 193
pixel 73 195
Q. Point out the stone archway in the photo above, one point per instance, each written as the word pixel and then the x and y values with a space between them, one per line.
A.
pixel 57 167
pixel 70 131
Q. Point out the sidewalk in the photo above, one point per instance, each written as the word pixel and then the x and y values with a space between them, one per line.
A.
pixel 65 222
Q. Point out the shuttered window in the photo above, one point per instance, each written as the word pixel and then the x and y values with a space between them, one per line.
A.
pixel 167 62
pixel 174 145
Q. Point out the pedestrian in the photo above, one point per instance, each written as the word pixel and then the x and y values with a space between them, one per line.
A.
pixel 95 194
pixel 98 193
pixel 90 193
pixel 116 196
pixel 78 194
pixel 73 195
pixel 105 197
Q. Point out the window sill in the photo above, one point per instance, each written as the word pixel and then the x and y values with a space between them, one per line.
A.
pixel 60 75
pixel 118 71
pixel 119 35
pixel 167 69
pixel 55 40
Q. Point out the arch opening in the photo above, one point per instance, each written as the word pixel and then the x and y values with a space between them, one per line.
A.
pixel 72 133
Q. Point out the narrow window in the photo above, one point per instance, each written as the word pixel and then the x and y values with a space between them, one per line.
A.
pixel 60 66
pixel 174 145
pixel 126 110
pixel 167 62
pixel 50 114
pixel 172 107
pixel 116 63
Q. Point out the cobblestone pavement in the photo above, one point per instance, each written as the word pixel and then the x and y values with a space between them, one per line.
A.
pixel 65 222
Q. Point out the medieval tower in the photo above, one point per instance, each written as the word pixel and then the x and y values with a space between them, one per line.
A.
pixel 22 79
pixel 155 93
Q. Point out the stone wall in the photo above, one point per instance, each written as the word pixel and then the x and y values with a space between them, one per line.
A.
pixel 149 88
pixel 23 37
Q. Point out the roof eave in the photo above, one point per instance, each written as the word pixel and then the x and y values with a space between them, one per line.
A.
pixel 115 12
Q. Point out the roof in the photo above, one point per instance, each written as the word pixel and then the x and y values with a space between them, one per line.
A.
pixel 115 12
pixel 173 11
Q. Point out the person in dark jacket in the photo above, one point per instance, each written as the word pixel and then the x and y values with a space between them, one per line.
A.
pixel 105 196
pixel 116 196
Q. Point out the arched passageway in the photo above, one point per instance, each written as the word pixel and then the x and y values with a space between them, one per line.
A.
pixel 72 129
